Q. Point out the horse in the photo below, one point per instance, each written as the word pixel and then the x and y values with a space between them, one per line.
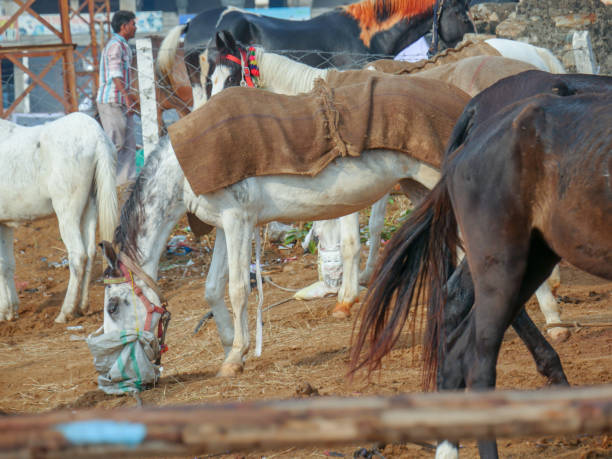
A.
pixel 333 39
pixel 283 75
pixel 473 74
pixel 161 195
pixel 548 198
pixel 66 167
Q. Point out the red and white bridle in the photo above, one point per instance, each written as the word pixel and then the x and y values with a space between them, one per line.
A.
pixel 129 269
pixel 250 72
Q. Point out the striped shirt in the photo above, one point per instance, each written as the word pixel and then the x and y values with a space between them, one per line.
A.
pixel 115 62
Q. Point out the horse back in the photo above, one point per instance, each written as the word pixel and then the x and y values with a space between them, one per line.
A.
pixel 512 89
pixel 544 164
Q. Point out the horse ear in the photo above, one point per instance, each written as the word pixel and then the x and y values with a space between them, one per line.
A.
pixel 225 41
pixel 109 254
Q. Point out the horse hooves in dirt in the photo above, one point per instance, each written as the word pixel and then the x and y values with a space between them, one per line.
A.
pixel 230 370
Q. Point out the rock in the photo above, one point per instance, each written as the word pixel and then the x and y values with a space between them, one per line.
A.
pixel 547 23
pixel 511 28
pixel 575 21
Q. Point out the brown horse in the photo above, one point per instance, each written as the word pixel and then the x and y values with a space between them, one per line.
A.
pixel 172 89
pixel 526 187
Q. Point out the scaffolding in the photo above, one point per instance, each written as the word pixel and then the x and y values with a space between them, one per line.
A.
pixel 88 11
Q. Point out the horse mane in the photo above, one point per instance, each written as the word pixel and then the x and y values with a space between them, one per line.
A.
pixel 374 16
pixel 284 75
pixel 132 212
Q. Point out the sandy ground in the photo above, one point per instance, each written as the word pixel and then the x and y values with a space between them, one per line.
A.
pixel 46 366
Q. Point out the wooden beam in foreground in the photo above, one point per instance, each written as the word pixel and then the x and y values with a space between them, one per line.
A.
pixel 321 421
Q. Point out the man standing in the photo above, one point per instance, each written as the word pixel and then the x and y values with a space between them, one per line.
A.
pixel 114 100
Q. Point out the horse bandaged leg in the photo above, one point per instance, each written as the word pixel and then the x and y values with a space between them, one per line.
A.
pixel 329 263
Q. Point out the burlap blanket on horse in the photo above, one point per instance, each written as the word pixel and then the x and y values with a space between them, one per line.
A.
pixel 461 51
pixel 475 74
pixel 243 132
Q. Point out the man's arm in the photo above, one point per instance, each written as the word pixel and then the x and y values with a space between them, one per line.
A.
pixel 129 98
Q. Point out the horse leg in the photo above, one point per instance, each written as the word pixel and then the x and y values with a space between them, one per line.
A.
pixel 350 247
pixel 238 231
pixel 459 302
pixel 550 307
pixel 215 291
pixel 376 224
pixel 70 231
pixel 88 230
pixel 9 301
pixel 329 261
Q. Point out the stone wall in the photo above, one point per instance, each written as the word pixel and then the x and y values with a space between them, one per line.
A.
pixel 550 24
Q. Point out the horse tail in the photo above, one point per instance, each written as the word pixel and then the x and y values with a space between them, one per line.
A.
pixel 554 65
pixel 167 53
pixel 461 129
pixel 106 186
pixel 415 266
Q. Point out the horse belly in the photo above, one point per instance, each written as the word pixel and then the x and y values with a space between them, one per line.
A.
pixel 345 186
pixel 26 206
pixel 21 196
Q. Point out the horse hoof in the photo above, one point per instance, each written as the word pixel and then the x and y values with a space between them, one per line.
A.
pixel 342 311
pixel 61 318
pixel 315 291
pixel 559 334
pixel 7 316
pixel 229 370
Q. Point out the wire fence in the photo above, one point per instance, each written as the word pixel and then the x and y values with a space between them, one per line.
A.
pixel 39 106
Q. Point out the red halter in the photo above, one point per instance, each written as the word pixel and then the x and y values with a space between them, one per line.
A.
pixel 150 307
pixel 244 63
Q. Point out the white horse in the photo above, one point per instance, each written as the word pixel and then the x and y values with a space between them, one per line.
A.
pixel 66 167
pixel 282 75
pixel 161 195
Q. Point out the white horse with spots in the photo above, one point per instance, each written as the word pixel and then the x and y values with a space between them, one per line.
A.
pixel 162 194
pixel 66 167
pixel 282 75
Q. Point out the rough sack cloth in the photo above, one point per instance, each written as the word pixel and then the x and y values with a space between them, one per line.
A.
pixel 475 74
pixel 461 51
pixel 124 360
pixel 243 132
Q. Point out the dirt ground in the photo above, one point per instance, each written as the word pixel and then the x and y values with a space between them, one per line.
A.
pixel 47 366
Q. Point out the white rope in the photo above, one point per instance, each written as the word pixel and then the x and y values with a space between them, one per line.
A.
pixel 259 327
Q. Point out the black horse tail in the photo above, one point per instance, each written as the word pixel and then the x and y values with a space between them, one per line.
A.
pixel 414 268
pixel 462 128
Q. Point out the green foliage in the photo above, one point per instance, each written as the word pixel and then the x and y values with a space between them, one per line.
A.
pixel 391 225
pixel 297 235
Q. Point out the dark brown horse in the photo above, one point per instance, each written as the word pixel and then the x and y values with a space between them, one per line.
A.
pixel 526 187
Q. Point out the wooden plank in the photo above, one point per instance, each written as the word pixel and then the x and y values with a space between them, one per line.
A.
pixel 583 53
pixel 146 88
pixel 70 87
pixel 320 421
pixel 36 50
